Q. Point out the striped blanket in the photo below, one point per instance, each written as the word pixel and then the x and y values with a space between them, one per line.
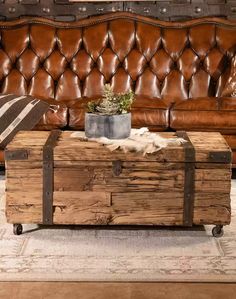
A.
pixel 18 113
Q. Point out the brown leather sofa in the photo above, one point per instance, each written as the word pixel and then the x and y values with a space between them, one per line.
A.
pixel 177 70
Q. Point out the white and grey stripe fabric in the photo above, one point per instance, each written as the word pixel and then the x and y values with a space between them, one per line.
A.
pixel 18 113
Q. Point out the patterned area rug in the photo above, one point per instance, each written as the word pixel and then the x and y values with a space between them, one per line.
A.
pixel 72 253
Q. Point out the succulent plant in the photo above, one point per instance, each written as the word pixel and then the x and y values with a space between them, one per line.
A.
pixel 111 103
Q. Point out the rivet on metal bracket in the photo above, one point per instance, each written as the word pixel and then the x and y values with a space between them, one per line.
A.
pixel 82 9
pixel 163 10
pixel 46 9
pixel 12 9
pixel 146 10
pixel 198 9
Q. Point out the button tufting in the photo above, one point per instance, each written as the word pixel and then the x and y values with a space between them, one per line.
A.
pixel 79 61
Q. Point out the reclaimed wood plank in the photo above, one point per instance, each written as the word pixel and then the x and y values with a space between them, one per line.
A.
pixel 149 190
pixel 121 208
pixel 91 178
pixel 68 149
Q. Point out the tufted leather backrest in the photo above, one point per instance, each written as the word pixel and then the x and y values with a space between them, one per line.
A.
pixel 66 61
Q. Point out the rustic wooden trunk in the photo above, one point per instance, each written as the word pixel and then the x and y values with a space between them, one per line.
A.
pixel 82 182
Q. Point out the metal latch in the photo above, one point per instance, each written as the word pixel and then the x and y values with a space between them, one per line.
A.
pixel 117 167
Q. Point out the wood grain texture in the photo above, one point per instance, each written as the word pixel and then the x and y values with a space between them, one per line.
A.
pixel 148 191
pixel 143 208
pixel 67 148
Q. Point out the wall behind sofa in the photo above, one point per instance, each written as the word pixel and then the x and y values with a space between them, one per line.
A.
pixel 162 9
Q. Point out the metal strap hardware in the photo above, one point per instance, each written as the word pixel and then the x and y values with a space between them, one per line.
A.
pixel 220 157
pixel 66 10
pixel 189 179
pixel 48 176
pixel 20 154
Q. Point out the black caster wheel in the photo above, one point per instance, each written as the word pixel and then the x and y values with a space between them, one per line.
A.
pixel 17 229
pixel 217 231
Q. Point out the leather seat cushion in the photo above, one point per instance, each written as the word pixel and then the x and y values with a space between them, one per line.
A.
pixel 152 113
pixel 55 118
pixel 207 114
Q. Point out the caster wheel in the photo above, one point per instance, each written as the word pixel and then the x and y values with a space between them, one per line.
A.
pixel 217 231
pixel 17 229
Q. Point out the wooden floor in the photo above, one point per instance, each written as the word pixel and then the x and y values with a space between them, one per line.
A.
pixel 55 290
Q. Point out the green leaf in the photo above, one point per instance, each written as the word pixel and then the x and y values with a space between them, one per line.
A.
pixel 112 103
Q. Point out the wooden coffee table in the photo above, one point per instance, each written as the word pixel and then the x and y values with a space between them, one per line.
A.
pixel 52 178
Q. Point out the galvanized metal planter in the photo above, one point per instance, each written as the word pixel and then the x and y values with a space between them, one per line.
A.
pixel 110 126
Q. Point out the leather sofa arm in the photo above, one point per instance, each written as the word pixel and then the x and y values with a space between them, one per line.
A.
pixel 55 118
